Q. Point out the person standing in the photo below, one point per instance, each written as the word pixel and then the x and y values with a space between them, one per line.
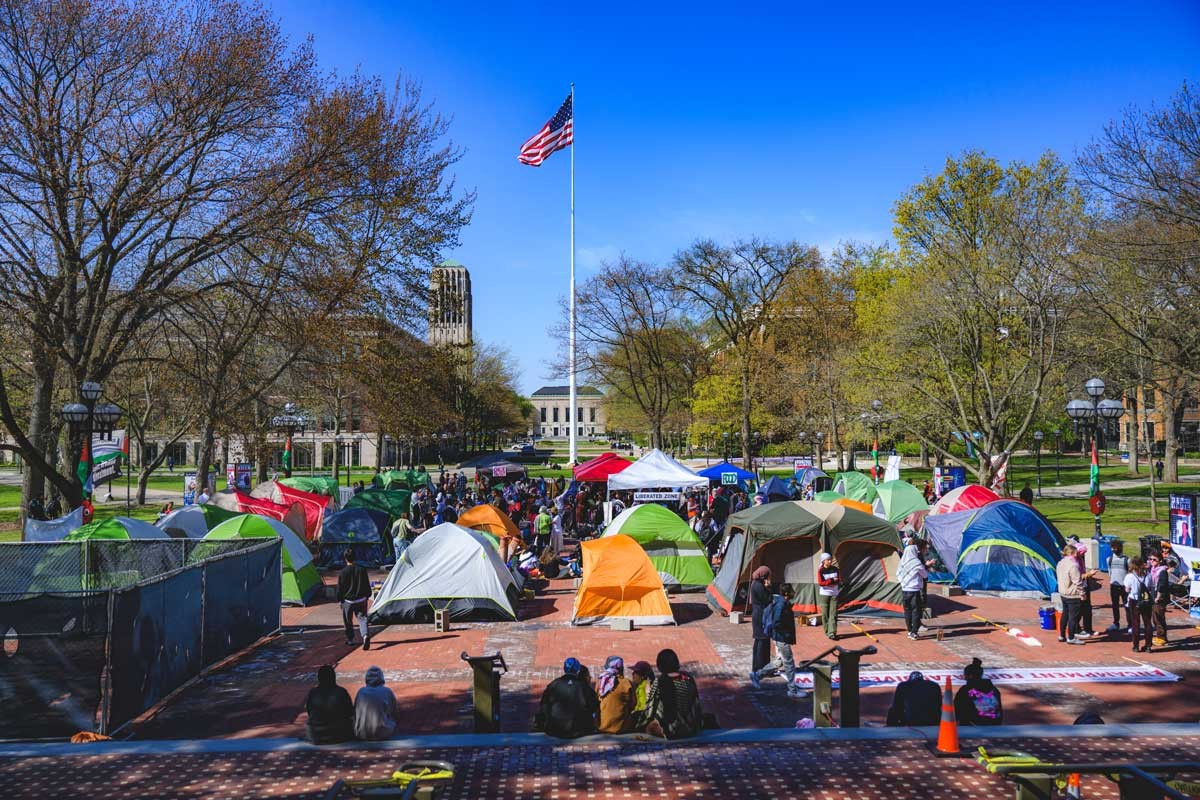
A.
pixel 829 584
pixel 1118 569
pixel 1070 589
pixel 760 598
pixel 783 633
pixel 912 572
pixel 353 592
pixel 1158 580
pixel 543 525
pixel 1140 605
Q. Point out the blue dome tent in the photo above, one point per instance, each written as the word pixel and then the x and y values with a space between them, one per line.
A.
pixel 1003 546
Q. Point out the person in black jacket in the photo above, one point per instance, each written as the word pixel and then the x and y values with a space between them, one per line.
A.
pixel 917 703
pixel 978 701
pixel 784 636
pixel 353 592
pixel 760 598
pixel 569 707
pixel 330 710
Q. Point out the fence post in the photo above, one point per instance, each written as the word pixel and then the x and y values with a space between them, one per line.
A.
pixel 106 683
pixel 203 613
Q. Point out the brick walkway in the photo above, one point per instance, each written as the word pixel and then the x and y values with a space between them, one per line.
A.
pixel 530 767
pixel 263 693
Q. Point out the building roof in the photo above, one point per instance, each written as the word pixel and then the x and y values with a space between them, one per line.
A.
pixel 564 391
pixel 449 262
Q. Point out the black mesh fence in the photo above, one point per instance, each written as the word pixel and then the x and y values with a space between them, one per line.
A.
pixel 77 660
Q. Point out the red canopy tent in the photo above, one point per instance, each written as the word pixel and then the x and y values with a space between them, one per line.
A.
pixel 600 467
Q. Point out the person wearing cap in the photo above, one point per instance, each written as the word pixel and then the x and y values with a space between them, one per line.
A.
pixel 829 584
pixel 617 697
pixel 917 703
pixel 374 708
pixel 569 706
pixel 542 524
pixel 641 675
pixel 760 598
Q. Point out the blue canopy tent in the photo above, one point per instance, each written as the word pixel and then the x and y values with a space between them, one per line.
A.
pixel 777 489
pixel 363 530
pixel 716 473
pixel 1003 546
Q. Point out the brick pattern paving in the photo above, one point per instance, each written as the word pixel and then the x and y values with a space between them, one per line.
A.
pixel 632 769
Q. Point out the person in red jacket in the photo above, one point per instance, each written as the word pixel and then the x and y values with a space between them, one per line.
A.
pixel 829 584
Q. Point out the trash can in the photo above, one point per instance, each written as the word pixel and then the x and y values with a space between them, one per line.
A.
pixel 485 691
pixel 1105 552
pixel 1048 620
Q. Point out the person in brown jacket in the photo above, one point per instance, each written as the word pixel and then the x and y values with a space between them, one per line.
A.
pixel 617 697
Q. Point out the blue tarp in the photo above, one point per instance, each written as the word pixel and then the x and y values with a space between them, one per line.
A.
pixel 807 475
pixel 1002 546
pixel 364 530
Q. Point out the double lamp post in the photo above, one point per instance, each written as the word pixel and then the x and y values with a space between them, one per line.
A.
pixel 88 418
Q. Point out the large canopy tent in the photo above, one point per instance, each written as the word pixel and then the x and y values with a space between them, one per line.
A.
pixel 897 499
pixel 787 537
pixel 674 549
pixel 315 506
pixel 363 531
pixel 486 518
pixel 656 470
pixel 326 485
pixel 194 521
pixel 290 514
pixel 856 486
pixel 392 502
pixel 964 498
pixel 1005 546
pixel 717 472
pixel 447 567
pixel 300 579
pixel 619 582
pixel 411 479
pixel 118 528
pixel 53 530
pixel 598 469
pixel 776 490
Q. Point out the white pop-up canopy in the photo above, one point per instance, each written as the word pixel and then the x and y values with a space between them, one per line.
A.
pixel 655 470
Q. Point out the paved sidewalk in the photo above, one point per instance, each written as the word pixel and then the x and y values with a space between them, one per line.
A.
pixel 1082 489
pixel 891 764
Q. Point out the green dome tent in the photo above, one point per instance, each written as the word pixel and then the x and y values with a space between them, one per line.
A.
pixel 898 499
pixel 411 479
pixel 856 486
pixel 117 528
pixel 828 496
pixel 392 502
pixel 674 549
pixel 300 578
pixel 317 484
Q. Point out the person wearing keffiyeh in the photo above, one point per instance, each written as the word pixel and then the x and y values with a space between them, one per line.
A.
pixel 617 697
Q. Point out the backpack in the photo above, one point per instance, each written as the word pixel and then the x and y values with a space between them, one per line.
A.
pixel 770 616
pixel 987 706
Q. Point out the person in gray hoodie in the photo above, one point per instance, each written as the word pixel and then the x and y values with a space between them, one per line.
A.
pixel 374 708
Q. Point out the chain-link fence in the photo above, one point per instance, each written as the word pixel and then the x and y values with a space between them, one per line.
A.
pixel 94 633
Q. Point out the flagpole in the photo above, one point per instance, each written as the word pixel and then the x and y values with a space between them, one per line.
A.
pixel 572 412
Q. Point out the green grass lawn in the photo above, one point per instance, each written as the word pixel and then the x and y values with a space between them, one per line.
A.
pixel 1126 519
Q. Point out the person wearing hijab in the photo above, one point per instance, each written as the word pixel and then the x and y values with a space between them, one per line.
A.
pixel 617 697
pixel 330 712
pixel 911 574
pixel 829 584
pixel 760 598
pixel 374 708
pixel 569 704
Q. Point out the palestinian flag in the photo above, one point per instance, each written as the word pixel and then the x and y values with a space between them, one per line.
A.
pixel 107 452
pixel 1094 487
pixel 287 456
pixel 82 469
pixel 875 455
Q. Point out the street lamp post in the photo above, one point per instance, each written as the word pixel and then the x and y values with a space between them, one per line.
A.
pixel 725 446
pixel 290 422
pixel 819 441
pixel 88 418
pixel 1037 450
pixel 1057 454
pixel 875 421
pixel 1093 415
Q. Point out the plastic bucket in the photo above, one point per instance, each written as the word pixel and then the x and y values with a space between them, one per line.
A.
pixel 1048 621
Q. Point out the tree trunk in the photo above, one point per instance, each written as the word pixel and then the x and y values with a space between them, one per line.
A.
pixel 1171 457
pixel 204 462
pixel 924 456
pixel 41 433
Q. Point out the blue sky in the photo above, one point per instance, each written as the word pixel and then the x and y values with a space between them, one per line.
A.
pixel 791 121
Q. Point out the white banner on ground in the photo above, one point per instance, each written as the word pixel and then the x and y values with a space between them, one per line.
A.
pixel 1025 676
pixel 892 473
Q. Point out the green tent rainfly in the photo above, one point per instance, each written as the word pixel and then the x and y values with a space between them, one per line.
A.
pixel 855 486
pixel 316 484
pixel 673 547
pixel 898 499
pixel 392 502
pixel 300 578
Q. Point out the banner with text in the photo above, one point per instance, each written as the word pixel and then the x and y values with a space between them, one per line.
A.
pixel 1024 676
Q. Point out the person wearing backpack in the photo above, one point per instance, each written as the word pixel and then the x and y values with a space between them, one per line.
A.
pixel 978 701
pixel 760 600
pixel 779 622
pixel 673 707
pixel 1118 568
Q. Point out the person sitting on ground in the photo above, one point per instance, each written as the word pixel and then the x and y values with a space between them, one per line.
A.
pixel 569 705
pixel 917 703
pixel 978 701
pixel 641 675
pixel 374 708
pixel 673 707
pixel 353 592
pixel 617 697
pixel 330 712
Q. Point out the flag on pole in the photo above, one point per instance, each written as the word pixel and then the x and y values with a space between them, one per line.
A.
pixel 1094 485
pixel 556 134
pixel 107 452
pixel 287 455
pixel 82 469
pixel 875 456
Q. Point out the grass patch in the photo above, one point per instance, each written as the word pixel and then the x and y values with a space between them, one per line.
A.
pixel 1127 519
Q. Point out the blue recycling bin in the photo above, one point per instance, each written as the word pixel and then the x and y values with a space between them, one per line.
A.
pixel 1105 552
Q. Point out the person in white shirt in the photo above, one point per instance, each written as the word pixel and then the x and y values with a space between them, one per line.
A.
pixel 1139 611
pixel 202 498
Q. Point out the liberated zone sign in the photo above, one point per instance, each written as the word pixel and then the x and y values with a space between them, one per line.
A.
pixel 1016 675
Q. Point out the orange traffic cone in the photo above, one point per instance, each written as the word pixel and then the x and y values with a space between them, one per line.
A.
pixel 947 744
pixel 1073 787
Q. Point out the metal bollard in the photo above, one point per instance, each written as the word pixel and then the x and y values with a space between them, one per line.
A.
pixel 485 690
pixel 822 673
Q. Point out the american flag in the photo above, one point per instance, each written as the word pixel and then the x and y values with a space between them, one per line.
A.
pixel 554 135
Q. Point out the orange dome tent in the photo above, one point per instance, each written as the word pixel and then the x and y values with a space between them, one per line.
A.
pixel 489 519
pixel 620 582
